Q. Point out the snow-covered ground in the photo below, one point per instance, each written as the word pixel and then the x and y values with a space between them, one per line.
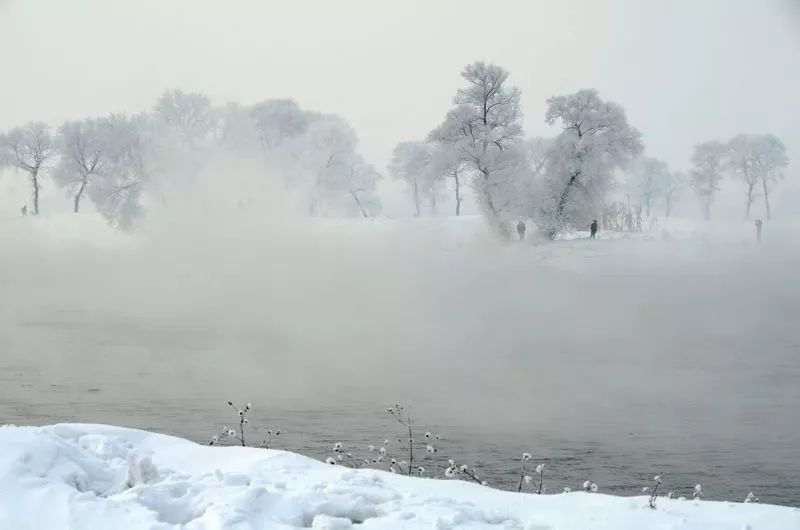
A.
pixel 92 477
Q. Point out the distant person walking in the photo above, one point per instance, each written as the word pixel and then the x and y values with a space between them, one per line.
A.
pixel 521 229
pixel 759 226
pixel 24 210
pixel 593 229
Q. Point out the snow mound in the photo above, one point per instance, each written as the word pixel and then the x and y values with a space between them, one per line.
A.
pixel 92 477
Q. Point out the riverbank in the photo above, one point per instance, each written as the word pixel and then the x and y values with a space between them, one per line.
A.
pixel 93 477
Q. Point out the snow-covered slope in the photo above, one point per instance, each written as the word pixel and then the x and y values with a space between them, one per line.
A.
pixel 91 477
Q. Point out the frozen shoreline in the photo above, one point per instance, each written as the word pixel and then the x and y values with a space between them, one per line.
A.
pixel 91 477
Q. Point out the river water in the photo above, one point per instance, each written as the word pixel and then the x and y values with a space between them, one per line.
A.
pixel 610 361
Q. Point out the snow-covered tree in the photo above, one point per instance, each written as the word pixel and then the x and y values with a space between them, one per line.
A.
pixel 756 160
pixel 481 128
pixel 410 160
pixel 649 178
pixel 446 164
pixel 359 181
pixel 29 148
pixel 676 181
pixel 82 155
pixel 595 140
pixel 188 122
pixel 128 167
pixel 708 159
pixel 189 113
pixel 770 160
pixel 423 167
pixel 277 120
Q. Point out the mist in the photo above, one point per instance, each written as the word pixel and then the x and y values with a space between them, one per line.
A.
pixel 300 259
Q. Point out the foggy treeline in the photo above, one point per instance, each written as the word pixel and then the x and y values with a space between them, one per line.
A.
pixel 121 163
pixel 562 182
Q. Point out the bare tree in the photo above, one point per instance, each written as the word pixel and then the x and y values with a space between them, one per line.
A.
pixel 708 158
pixel 81 149
pixel 29 148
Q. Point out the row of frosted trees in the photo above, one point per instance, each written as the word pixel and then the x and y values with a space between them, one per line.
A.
pixel 118 161
pixel 564 181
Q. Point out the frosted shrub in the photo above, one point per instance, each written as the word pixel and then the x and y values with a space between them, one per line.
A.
pixel 750 498
pixel 239 437
pixel 654 495
pixel 540 472
pixel 698 492
pixel 463 472
pixel 522 477
pixel 590 486
pixel 424 447
pixel 345 458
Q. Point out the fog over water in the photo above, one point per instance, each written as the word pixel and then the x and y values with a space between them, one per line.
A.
pixel 649 354
pixel 673 350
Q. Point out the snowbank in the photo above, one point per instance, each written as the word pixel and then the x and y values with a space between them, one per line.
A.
pixel 91 477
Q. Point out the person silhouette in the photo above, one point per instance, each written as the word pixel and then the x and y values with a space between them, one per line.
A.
pixel 593 229
pixel 759 226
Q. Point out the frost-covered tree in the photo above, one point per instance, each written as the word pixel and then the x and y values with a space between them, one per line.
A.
pixel 189 113
pixel 188 122
pixel 82 155
pixel 423 167
pixel 481 128
pixel 708 159
pixel 446 164
pixel 756 160
pixel 360 182
pixel 128 166
pixel 649 178
pixel 595 140
pixel 676 181
pixel 771 160
pixel 277 120
pixel 410 160
pixel 740 160
pixel 349 184
pixel 29 148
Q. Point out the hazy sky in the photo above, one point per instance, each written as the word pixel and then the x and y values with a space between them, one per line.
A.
pixel 686 70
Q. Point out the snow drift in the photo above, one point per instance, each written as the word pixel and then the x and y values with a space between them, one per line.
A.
pixel 92 477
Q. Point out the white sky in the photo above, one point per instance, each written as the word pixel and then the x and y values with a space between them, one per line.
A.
pixel 686 70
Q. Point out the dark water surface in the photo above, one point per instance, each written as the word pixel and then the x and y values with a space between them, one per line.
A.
pixel 610 363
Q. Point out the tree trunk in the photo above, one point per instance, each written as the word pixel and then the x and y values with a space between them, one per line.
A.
pixel 562 201
pixel 458 193
pixel 433 203
pixel 647 205
pixel 35 181
pixel 416 197
pixel 360 206
pixel 77 202
pixel 669 205
pixel 749 200
pixel 766 197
